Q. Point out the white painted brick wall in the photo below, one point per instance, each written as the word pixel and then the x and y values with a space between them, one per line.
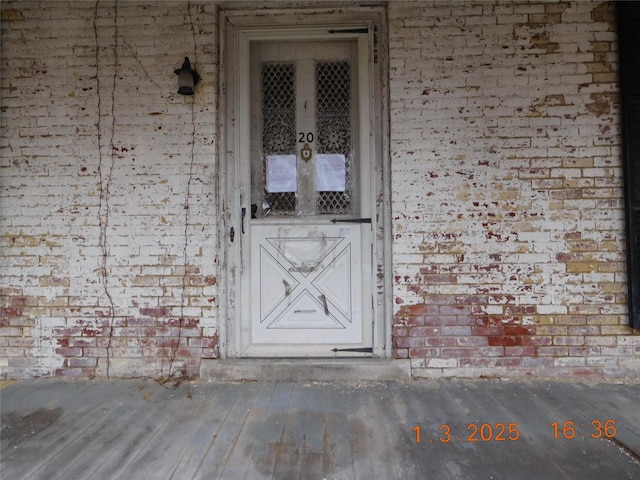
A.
pixel 507 202
pixel 504 137
pixel 61 125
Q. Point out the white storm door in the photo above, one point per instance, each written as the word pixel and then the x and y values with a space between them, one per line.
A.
pixel 307 250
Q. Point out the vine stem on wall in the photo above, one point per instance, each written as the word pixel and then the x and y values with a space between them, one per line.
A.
pixel 104 178
pixel 185 256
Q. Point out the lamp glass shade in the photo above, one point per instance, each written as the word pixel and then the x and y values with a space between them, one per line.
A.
pixel 186 80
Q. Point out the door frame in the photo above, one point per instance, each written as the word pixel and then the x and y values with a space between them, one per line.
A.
pixel 236 29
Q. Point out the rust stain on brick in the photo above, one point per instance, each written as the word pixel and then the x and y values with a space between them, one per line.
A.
pixel 11 15
pixel 605 12
pixel 602 103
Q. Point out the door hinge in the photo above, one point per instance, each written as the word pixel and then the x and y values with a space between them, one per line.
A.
pixel 361 350
pixel 351 220
pixel 350 30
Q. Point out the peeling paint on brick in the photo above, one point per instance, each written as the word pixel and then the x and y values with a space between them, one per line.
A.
pixel 60 319
pixel 507 219
pixel 529 269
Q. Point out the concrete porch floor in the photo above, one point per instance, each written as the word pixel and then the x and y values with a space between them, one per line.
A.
pixel 54 429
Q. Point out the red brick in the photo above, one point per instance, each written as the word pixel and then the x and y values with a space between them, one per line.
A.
pixel 81 342
pixel 552 351
pixel 488 320
pixel 92 332
pixel 211 353
pixel 441 342
pixel 489 351
pixel 141 322
pixel 440 320
pixel 518 330
pixel 487 331
pixel 206 342
pixel 456 352
pixel 456 310
pixel 518 351
pixel 23 301
pixel 566 340
pixel 188 352
pixel 472 341
pixel 400 331
pixel 440 300
pixel 399 353
pixel 472 300
pixel 82 362
pixel 67 332
pixel 69 352
pixel 440 279
pixel 155 312
pixel 586 351
pixel 466 320
pixel 537 340
pixel 188 332
pixel 505 341
pixel 128 332
pixel 512 310
pixel 508 362
pixel 584 330
pixel 423 331
pixel 564 257
pixel 411 321
pixel 422 309
pixel 537 362
pixel 423 352
pixel 475 362
pixel 406 342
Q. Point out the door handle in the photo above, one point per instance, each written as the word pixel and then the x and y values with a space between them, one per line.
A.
pixel 242 215
pixel 232 234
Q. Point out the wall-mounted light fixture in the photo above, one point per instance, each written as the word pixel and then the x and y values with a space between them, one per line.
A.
pixel 187 78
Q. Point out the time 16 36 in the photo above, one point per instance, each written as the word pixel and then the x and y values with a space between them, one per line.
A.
pixel 599 429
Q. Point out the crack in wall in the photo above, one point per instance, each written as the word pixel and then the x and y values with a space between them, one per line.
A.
pixel 105 185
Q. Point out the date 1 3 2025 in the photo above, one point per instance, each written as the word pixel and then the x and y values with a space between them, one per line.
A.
pixel 501 432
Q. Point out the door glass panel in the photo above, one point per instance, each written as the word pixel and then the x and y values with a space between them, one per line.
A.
pixel 335 146
pixel 303 118
pixel 278 183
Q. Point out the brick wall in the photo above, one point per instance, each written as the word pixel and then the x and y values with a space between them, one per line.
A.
pixel 509 242
pixel 508 233
pixel 108 189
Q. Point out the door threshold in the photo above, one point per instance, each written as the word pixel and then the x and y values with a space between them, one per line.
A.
pixel 305 370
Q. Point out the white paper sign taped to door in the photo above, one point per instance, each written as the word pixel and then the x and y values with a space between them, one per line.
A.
pixel 330 172
pixel 282 174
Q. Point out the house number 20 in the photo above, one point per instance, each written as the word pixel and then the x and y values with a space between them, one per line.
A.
pixel 305 137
